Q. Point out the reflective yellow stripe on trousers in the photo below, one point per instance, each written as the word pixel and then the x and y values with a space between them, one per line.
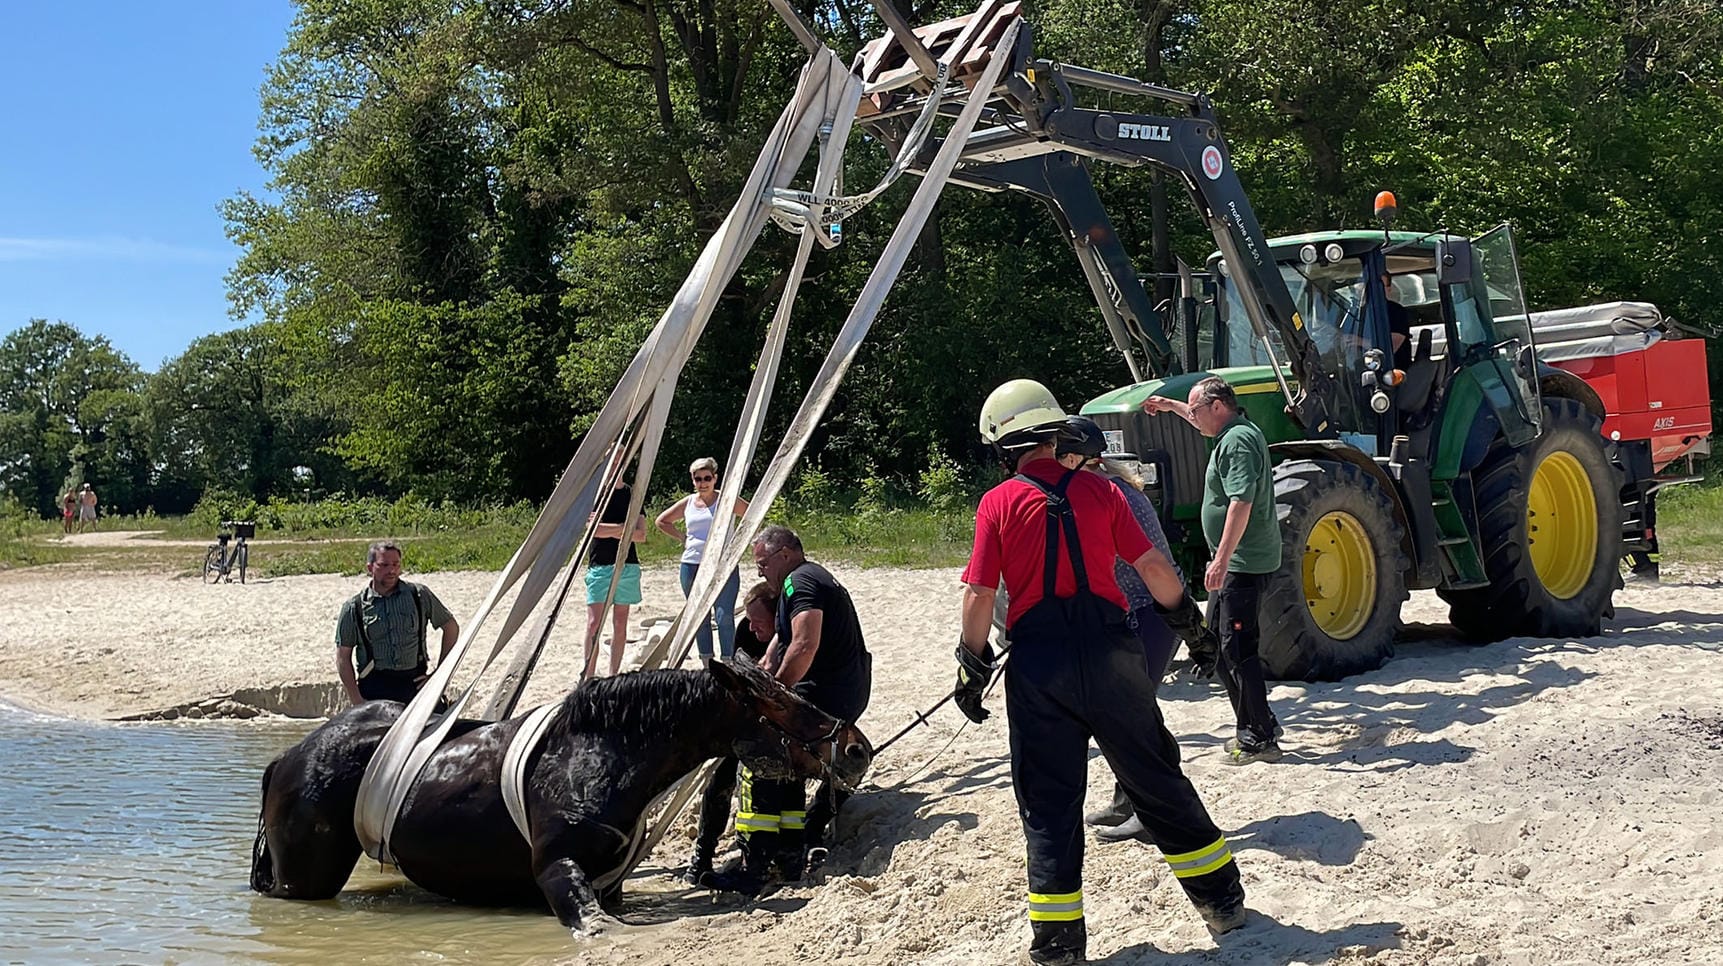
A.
pixel 757 822
pixel 1056 906
pixel 794 820
pixel 1201 862
pixel 748 820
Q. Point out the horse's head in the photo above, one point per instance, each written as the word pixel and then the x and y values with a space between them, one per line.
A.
pixel 788 737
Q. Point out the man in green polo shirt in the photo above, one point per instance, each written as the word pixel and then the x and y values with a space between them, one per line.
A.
pixel 1238 522
pixel 380 652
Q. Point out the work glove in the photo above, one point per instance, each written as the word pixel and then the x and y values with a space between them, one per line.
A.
pixel 974 673
pixel 1186 622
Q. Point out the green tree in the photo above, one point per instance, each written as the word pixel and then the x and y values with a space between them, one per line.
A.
pixel 65 415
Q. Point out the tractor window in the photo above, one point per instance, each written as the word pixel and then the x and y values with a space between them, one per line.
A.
pixel 1243 348
pixel 1204 331
pixel 1327 297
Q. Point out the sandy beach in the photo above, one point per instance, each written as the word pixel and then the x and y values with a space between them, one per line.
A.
pixel 1532 801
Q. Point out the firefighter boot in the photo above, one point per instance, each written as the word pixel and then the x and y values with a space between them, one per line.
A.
pixel 745 874
pixel 1059 943
pixel 1118 812
pixel 699 864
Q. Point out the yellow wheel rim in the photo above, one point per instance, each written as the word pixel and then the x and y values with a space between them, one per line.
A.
pixel 1339 575
pixel 1561 524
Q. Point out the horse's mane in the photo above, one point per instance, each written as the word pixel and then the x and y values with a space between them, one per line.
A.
pixel 640 702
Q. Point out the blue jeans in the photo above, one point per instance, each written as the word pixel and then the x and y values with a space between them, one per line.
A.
pixel 724 611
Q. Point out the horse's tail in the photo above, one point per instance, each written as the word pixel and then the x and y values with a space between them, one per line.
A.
pixel 262 866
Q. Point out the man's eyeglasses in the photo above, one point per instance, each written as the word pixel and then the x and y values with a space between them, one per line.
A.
pixel 704 479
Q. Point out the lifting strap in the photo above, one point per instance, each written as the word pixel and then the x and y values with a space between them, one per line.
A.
pixel 521 747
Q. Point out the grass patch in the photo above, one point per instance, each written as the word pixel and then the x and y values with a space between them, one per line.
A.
pixel 871 528
pixel 20 552
pixel 330 536
pixel 24 538
pixel 1690 524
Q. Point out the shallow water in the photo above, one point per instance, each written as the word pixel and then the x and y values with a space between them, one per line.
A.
pixel 132 843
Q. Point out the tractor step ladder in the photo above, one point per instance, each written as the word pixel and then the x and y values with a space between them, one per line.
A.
pixel 1461 560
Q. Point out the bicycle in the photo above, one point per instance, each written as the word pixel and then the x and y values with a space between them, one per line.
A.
pixel 221 560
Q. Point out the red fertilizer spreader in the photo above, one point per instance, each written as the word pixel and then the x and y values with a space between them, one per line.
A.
pixel 1656 394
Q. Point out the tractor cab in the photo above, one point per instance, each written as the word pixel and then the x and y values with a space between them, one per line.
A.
pixel 1459 307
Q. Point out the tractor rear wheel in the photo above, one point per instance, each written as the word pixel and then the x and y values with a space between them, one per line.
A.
pixel 1549 522
pixel 1333 606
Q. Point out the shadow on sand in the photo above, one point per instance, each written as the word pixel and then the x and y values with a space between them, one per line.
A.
pixel 1265 940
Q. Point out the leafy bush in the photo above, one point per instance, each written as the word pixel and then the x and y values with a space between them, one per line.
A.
pixel 814 490
pixel 875 498
pixel 941 486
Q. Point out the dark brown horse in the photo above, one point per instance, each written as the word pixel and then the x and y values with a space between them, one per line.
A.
pixel 614 746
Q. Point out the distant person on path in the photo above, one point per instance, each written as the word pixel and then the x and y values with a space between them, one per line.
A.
pixel 86 508
pixel 69 510
pixel 380 652
pixel 696 513
pixel 1238 522
pixel 602 570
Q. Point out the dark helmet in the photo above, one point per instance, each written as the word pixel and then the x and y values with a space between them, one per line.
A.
pixel 1083 437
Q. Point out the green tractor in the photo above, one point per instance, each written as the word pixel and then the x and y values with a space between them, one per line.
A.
pixel 1472 469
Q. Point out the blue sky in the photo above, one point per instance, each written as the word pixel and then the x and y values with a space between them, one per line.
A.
pixel 125 126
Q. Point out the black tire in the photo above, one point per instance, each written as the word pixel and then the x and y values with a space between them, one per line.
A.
pixel 244 559
pixel 1301 640
pixel 212 565
pixel 1517 602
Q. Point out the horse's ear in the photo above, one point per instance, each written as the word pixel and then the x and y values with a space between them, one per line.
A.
pixel 741 675
pixel 730 677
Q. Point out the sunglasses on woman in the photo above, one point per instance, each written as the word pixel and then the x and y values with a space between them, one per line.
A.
pixel 704 479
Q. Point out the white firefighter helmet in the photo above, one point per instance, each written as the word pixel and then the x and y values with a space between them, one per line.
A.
pixel 1014 412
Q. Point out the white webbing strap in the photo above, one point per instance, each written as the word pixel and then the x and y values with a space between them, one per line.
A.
pixel 825 383
pixel 513 777
pixel 843 94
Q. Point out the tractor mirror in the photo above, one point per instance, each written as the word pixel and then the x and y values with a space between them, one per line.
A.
pixel 1453 261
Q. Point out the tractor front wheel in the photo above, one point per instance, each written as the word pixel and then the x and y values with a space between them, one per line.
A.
pixel 1333 606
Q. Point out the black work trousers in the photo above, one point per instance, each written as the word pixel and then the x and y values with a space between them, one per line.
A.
pixel 715 808
pixel 1158 646
pixel 1076 672
pixel 1233 616
pixel 381 685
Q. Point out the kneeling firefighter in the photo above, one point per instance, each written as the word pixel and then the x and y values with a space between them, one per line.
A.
pixel 1077 671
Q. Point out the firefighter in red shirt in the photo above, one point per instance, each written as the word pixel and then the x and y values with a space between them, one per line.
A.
pixel 1077 671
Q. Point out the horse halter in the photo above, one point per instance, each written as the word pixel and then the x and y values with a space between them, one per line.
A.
pixel 828 761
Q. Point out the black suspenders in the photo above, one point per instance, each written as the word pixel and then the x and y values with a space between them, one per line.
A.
pixel 1059 513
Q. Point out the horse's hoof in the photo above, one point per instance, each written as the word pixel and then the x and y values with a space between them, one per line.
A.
pixel 592 927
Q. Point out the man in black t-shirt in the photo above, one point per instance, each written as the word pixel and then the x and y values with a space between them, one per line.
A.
pixel 602 570
pixel 819 653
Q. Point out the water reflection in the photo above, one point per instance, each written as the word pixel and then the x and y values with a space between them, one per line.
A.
pixel 131 842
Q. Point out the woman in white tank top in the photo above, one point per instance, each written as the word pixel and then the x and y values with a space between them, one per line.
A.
pixel 695 513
